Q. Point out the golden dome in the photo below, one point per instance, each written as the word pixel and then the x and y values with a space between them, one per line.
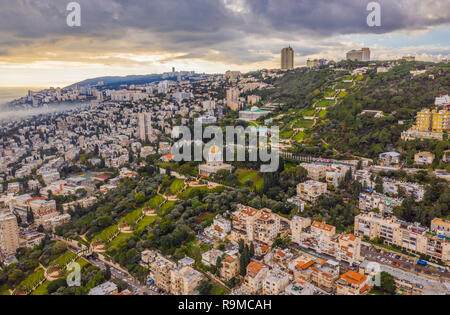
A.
pixel 214 149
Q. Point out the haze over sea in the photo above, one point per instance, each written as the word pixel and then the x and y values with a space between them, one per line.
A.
pixel 7 94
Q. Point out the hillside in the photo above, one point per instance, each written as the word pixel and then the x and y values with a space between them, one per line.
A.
pixel 332 102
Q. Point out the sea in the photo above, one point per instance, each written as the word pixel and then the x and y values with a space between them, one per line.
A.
pixel 8 94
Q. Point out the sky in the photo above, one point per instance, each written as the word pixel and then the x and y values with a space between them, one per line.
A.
pixel 123 37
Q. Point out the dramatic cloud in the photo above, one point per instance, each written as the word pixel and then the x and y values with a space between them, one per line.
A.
pixel 239 33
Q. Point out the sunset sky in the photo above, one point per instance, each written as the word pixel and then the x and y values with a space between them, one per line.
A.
pixel 121 37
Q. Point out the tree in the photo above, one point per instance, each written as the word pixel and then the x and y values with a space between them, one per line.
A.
pixel 387 283
pixel 108 273
pixel 205 288
pixel 218 265
pixel 139 198
pixel 379 185
pixel 252 250
pixel 241 245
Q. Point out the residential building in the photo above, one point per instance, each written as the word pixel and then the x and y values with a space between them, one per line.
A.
pixel 353 283
pixel 316 172
pixel 389 158
pixel 287 59
pixel 230 267
pixel 161 269
pixel 209 258
pixel 311 190
pixel 253 281
pixel 440 226
pixel 107 288
pixel 424 158
pixel 411 236
pixel 233 101
pixel 253 225
pixel 275 282
pixel 370 200
pixel 9 233
pixel 184 280
pixel 145 127
pixel 299 226
pixel 359 55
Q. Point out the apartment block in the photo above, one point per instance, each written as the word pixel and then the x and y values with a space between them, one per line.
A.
pixel 316 172
pixel 412 237
pixel 275 282
pixel 424 158
pixel 433 121
pixel 254 225
pixel 440 226
pixel 161 269
pixel 311 190
pixel 369 200
pixel 184 280
pixel 9 233
pixel 230 267
pixel 253 281
pixel 353 283
pixel 322 238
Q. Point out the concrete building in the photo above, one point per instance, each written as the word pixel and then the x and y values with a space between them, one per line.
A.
pixel 9 233
pixel 253 225
pixel 214 163
pixel 253 114
pixel 287 59
pixel 275 282
pixel 359 55
pixel 233 101
pixel 184 281
pixel 370 200
pixel 311 190
pixel 353 283
pixel 412 237
pixel 145 127
pixel 161 269
pixel 107 288
pixel 230 267
pixel 424 158
pixel 389 158
pixel 253 281
pixel 316 172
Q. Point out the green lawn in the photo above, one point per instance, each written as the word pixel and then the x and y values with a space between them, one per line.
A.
pixel 303 123
pixel 325 103
pixel 167 206
pixel 4 290
pixel 299 136
pixel 120 239
pixel 63 260
pixel 32 280
pixel 106 234
pixel 322 114
pixel 342 94
pixel 146 221
pixel 42 289
pixel 132 217
pixel 176 186
pixel 245 175
pixel 286 134
pixel 309 113
pixel 155 202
